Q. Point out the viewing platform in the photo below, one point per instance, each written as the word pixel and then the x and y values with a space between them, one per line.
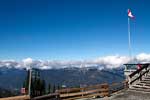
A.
pixel 138 76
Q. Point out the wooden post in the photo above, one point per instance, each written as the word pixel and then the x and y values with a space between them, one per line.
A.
pixel 125 84
pixel 129 80
pixel 82 91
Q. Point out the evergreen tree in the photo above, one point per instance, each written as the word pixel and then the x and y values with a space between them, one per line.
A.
pixel 37 85
pixel 54 88
pixel 58 87
pixel 43 87
pixel 49 88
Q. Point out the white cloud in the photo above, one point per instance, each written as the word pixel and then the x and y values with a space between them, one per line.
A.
pixel 112 61
pixel 27 61
pixel 143 57
pixel 102 62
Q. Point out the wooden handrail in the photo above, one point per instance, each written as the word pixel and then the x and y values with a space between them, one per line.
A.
pixel 74 93
pixel 47 97
pixel 68 90
pixel 93 90
pixel 23 97
pixel 114 87
pixel 138 70
pixel 139 76
pixel 83 93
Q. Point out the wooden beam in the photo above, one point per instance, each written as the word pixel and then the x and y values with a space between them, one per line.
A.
pixel 24 97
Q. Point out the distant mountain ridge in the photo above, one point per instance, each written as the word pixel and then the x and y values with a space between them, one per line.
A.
pixel 5 93
pixel 12 78
pixel 75 77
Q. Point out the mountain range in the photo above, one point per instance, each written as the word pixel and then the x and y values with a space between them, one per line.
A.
pixel 13 78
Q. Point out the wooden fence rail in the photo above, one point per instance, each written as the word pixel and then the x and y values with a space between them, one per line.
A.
pixel 100 90
pixel 24 97
pixel 53 96
pixel 90 91
pixel 114 87
pixel 138 74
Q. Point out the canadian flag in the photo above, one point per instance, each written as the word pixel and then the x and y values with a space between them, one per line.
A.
pixel 130 14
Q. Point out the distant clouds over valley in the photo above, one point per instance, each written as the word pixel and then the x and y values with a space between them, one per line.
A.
pixel 113 61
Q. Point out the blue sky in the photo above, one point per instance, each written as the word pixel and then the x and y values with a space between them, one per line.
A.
pixel 71 29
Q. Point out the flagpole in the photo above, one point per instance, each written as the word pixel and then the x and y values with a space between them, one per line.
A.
pixel 129 40
pixel 30 76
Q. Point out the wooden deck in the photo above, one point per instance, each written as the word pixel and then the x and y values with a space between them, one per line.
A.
pixel 126 95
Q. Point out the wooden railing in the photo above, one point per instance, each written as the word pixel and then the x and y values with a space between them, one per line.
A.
pixel 101 90
pixel 115 87
pixel 138 74
pixel 24 97
pixel 53 96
